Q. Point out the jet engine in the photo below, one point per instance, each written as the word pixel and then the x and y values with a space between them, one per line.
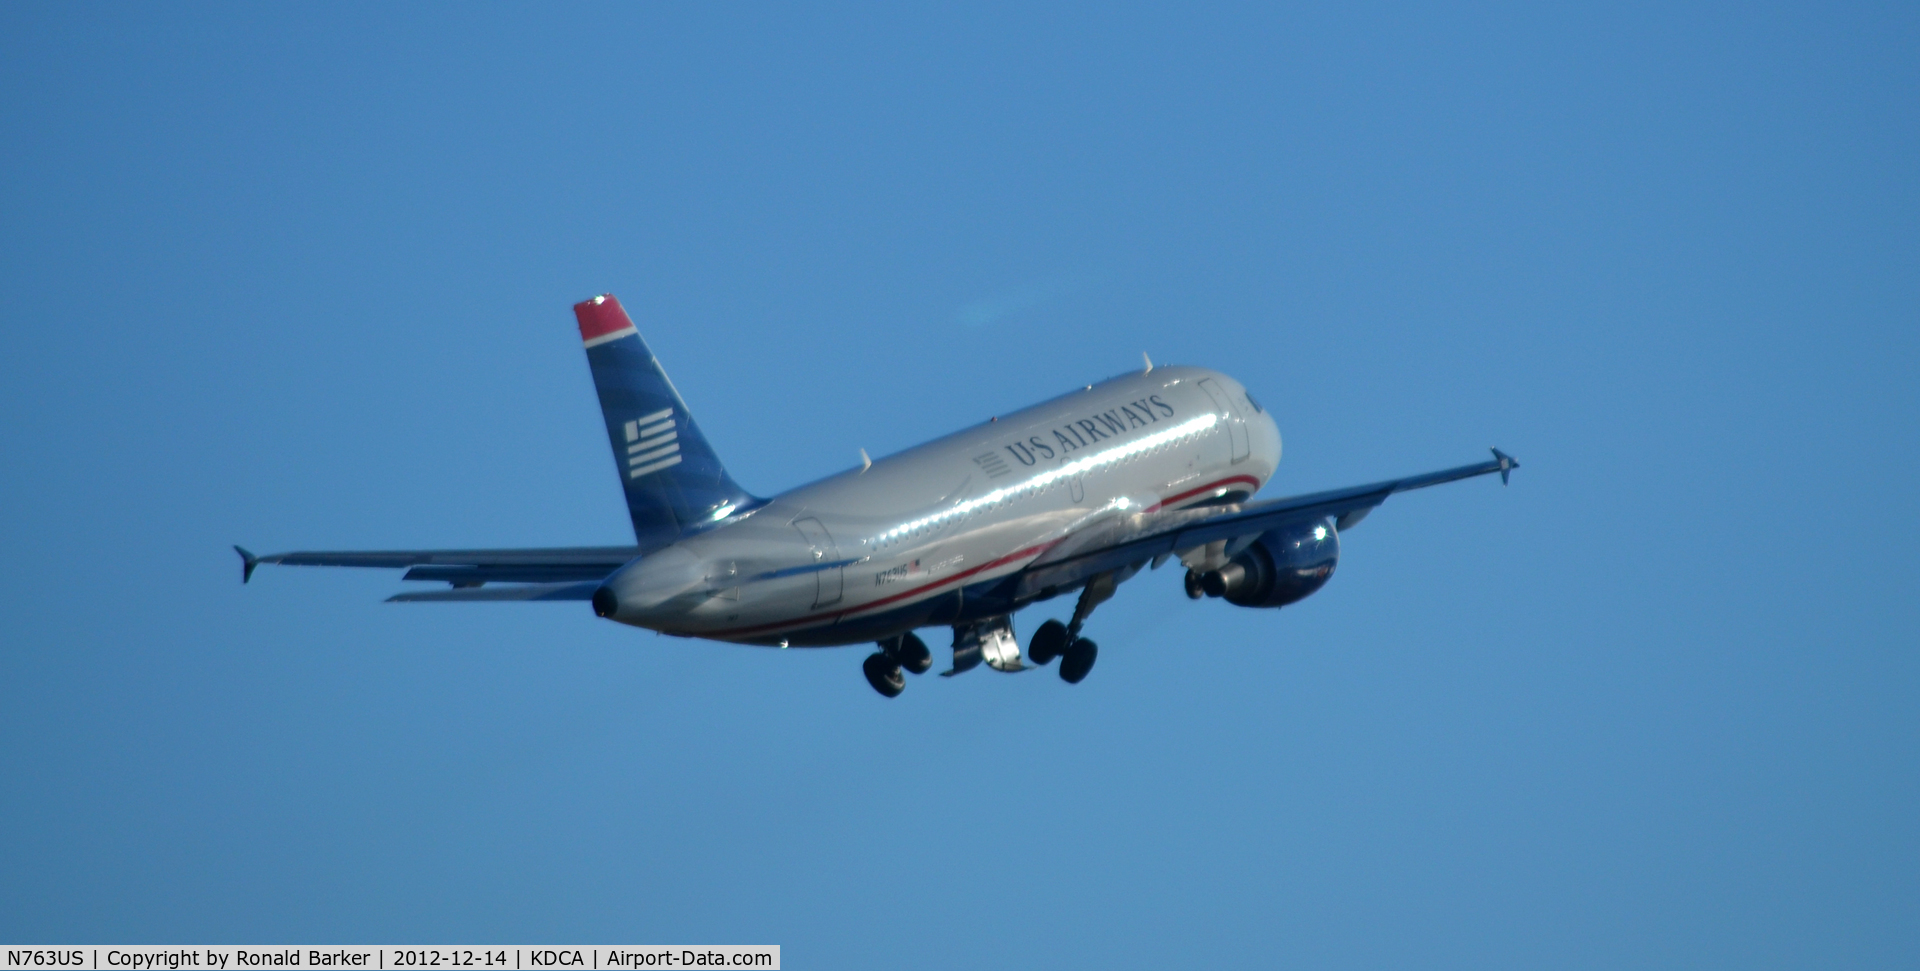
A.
pixel 1283 566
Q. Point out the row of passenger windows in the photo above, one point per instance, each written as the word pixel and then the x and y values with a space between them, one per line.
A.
pixel 970 508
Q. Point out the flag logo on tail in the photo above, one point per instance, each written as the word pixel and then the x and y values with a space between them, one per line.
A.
pixel 651 444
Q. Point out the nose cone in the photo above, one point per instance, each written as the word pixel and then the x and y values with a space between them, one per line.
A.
pixel 638 591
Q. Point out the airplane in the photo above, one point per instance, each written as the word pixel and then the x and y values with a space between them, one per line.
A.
pixel 1079 493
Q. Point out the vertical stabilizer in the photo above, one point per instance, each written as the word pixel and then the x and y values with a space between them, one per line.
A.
pixel 674 482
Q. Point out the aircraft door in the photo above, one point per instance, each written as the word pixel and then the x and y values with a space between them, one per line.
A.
pixel 1230 413
pixel 831 582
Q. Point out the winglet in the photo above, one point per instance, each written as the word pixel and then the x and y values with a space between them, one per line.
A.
pixel 1507 464
pixel 247 562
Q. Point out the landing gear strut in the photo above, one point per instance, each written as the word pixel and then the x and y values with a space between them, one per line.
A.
pixel 910 651
pixel 1055 639
pixel 885 669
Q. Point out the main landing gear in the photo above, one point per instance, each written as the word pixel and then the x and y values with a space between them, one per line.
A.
pixel 885 669
pixel 1076 654
pixel 1055 639
pixel 990 641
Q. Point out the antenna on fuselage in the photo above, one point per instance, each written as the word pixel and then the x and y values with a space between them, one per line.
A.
pixel 1144 357
pixel 865 463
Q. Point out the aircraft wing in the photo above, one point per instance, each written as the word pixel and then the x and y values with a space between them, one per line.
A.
pixel 552 573
pixel 1122 542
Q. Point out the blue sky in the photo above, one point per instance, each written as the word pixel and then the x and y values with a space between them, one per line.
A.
pixel 298 277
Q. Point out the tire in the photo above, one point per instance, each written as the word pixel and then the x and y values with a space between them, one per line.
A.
pixel 1078 660
pixel 1194 590
pixel 1048 643
pixel 913 654
pixel 884 675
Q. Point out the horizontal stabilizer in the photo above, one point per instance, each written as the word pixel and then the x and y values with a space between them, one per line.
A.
pixel 461 576
pixel 590 561
pixel 550 573
pixel 527 565
pixel 526 591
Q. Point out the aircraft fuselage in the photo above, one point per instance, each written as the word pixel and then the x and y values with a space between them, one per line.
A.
pixel 935 535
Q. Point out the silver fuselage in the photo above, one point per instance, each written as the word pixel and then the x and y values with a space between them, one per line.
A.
pixel 922 537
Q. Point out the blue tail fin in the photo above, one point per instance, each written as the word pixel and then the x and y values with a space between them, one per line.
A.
pixel 674 482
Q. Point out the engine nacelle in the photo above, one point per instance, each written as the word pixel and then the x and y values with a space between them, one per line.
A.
pixel 1283 566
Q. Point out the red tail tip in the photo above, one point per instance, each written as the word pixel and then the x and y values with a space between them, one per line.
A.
pixel 600 317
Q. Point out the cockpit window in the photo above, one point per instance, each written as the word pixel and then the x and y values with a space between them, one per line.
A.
pixel 1255 403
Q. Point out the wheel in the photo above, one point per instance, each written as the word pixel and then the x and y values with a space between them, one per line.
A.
pixel 1194 590
pixel 913 654
pixel 1078 660
pixel 1047 642
pixel 884 675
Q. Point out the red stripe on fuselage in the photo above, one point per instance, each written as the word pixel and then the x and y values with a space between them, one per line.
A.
pixel 1209 487
pixel 963 574
pixel 902 595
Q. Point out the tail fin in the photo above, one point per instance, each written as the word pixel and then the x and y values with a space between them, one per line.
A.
pixel 674 482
